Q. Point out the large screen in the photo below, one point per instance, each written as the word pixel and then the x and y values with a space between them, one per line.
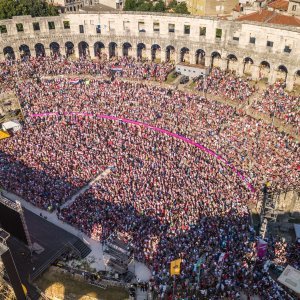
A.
pixel 10 221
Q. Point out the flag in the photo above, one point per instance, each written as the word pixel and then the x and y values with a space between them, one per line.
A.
pixel 117 69
pixel 175 267
pixel 74 81
pixel 262 247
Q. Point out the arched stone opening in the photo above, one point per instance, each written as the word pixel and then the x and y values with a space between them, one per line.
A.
pixel 127 48
pixel 24 51
pixel 232 62
pixel 248 62
pixel 282 72
pixel 200 57
pixel 264 70
pixel 297 78
pixel 170 53
pixel 155 52
pixel 112 50
pixel 54 49
pixel 83 48
pixel 141 49
pixel 39 50
pixel 216 59
pixel 98 49
pixel 9 53
pixel 185 55
pixel 69 49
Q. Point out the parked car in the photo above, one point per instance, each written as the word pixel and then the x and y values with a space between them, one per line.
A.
pixel 184 79
pixel 175 74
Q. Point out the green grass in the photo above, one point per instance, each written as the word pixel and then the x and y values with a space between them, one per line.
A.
pixel 170 79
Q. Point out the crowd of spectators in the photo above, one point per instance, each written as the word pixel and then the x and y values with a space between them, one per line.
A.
pixel 168 197
pixel 276 102
pixel 227 84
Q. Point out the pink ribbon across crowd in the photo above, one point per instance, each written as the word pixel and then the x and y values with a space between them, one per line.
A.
pixel 164 131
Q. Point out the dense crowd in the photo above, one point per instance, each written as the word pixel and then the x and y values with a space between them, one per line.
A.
pixel 168 197
pixel 276 102
pixel 225 83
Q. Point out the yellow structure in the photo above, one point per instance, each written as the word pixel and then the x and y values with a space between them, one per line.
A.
pixel 211 7
pixel 4 135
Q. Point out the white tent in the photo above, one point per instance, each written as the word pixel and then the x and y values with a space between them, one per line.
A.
pixel 13 125
pixel 290 277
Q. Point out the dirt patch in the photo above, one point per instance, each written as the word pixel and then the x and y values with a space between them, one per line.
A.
pixel 58 285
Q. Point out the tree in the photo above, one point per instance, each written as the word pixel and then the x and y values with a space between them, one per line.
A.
pixel 159 6
pixel 181 8
pixel 172 4
pixel 130 5
pixel 145 6
pixel 35 8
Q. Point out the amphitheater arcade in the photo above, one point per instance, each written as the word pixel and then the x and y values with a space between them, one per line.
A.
pixel 263 51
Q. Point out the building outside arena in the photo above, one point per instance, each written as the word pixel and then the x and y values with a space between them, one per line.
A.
pixel 167 190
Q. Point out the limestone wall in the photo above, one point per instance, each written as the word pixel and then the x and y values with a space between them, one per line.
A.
pixel 225 43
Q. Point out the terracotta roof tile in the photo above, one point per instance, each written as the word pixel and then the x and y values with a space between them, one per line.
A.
pixel 285 20
pixel 271 17
pixel 258 16
pixel 279 4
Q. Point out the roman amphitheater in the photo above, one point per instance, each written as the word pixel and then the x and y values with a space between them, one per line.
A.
pixel 262 50
pixel 117 171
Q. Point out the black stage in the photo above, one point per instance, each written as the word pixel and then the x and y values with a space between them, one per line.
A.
pixel 52 238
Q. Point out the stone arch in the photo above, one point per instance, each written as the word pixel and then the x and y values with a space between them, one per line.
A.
pixel 200 57
pixel 70 50
pixel 170 53
pixel 282 72
pixel 155 52
pixel 112 49
pixel 9 53
pixel 127 48
pixel 83 48
pixel 264 69
pixel 185 55
pixel 141 49
pixel 216 59
pixel 54 49
pixel 297 78
pixel 248 63
pixel 24 51
pixel 232 62
pixel 98 48
pixel 39 50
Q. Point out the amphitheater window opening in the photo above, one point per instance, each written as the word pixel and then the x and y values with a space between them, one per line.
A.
pixel 20 27
pixel 155 53
pixel 9 53
pixel 3 29
pixel 127 49
pixel 98 48
pixel 200 57
pixel 24 52
pixel 112 48
pixel 248 62
pixel 39 50
pixel 83 48
pixel 51 25
pixel 140 51
pixel 215 59
pixel 69 49
pixel 54 49
pixel 67 25
pixel 170 53
pixel 185 55
pixel 36 26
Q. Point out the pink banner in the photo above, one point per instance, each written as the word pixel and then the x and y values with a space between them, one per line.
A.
pixel 262 247
pixel 164 131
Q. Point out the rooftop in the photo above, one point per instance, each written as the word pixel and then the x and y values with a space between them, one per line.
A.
pixel 271 17
pixel 279 4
